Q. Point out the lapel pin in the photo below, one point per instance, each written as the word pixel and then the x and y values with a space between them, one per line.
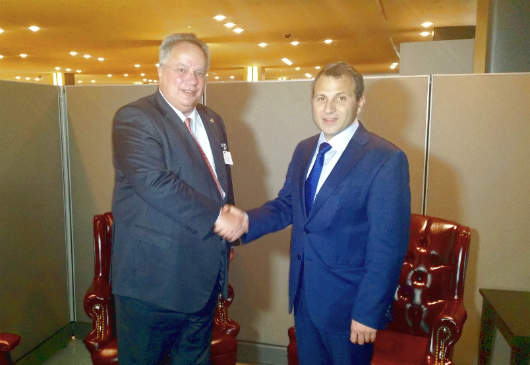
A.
pixel 212 121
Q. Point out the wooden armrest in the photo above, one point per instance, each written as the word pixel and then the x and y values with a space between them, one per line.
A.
pixel 8 341
pixel 98 306
pixel 221 318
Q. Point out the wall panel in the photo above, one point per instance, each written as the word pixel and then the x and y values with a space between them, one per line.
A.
pixel 265 121
pixel 90 113
pixel 32 252
pixel 478 175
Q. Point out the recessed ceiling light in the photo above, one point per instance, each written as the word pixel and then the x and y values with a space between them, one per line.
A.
pixel 34 28
pixel 93 81
pixel 426 24
pixel 157 65
pixel 219 17
pixel 57 68
pixel 23 55
pixel 137 83
pixel 1 31
pixel 328 41
pixel 80 82
pixel 317 67
pixel 238 30
pixel 426 33
pixel 142 74
pixel 216 77
pixel 36 79
pixel 1 56
pixel 230 25
pixel 262 44
pixel 295 43
pixel 27 78
pixel 18 77
pixel 297 68
pixel 78 71
pixel 68 70
pixel 125 75
pixel 308 75
pixel 287 61
pixel 137 65
pixel 144 80
pixel 73 53
pixel 394 65
pixel 232 77
pixel 87 56
pixel 101 59
pixel 109 75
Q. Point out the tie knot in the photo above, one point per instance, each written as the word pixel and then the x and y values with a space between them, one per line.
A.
pixel 323 148
pixel 187 121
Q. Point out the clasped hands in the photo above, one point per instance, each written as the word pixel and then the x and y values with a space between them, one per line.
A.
pixel 232 223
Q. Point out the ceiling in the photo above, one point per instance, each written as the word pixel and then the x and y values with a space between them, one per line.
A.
pixel 366 33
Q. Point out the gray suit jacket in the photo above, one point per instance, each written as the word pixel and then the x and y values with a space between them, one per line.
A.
pixel 164 205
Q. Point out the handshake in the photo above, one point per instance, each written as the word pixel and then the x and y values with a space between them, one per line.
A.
pixel 232 223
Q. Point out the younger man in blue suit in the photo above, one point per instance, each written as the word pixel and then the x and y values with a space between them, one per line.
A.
pixel 347 197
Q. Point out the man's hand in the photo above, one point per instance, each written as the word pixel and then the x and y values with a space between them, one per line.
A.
pixel 231 224
pixel 361 334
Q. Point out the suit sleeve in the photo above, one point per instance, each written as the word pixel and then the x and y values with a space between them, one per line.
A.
pixel 388 213
pixel 275 214
pixel 139 156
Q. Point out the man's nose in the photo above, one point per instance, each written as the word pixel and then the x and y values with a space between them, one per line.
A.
pixel 330 106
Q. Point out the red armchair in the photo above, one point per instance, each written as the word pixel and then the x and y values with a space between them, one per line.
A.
pixel 8 341
pixel 101 341
pixel 428 313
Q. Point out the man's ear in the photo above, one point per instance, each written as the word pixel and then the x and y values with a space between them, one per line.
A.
pixel 360 104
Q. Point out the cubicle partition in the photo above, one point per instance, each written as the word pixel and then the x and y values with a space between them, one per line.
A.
pixel 466 137
pixel 33 279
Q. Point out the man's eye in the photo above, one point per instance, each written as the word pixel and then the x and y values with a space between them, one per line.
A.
pixel 320 98
pixel 341 99
pixel 199 74
pixel 181 70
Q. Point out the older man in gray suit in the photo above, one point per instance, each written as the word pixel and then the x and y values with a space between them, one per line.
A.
pixel 172 166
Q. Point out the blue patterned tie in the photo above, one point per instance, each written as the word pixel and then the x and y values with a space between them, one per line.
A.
pixel 312 180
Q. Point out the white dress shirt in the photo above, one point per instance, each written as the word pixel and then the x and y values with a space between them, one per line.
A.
pixel 338 145
pixel 199 132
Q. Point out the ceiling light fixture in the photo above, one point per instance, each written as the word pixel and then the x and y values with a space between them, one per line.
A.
pixel 230 25
pixel 125 75
pixel 27 78
pixel 93 81
pixel 308 75
pixel 109 75
pixel 317 67
pixel 328 41
pixel 87 56
pixel 101 59
pixel 80 82
pixel 426 33
pixel 232 77
pixel 1 31
pixel 23 55
pixel 78 71
pixel 426 24
pixel 137 65
pixel 68 70
pixel 34 28
pixel 1 57
pixel 18 77
pixel 73 53
pixel 219 17
pixel 287 61
pixel 297 68
pixel 262 44
pixel 295 43
pixel 216 77
pixel 57 68
pixel 394 65
pixel 238 30
pixel 142 74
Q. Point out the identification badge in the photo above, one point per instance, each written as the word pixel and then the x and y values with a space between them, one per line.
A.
pixel 228 158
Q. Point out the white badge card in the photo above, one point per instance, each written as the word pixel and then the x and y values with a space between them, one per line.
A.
pixel 228 158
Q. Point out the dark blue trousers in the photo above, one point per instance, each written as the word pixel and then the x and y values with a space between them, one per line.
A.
pixel 320 346
pixel 147 334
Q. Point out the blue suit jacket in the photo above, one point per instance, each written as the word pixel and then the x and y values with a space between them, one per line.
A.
pixel 351 246
pixel 165 204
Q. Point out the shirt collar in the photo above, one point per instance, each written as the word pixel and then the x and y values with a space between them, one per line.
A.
pixel 192 116
pixel 340 141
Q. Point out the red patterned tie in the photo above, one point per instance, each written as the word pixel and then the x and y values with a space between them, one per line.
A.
pixel 214 177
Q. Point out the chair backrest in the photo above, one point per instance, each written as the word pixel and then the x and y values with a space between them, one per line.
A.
pixel 102 245
pixel 432 274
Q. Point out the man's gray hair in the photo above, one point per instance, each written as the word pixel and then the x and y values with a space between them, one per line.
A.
pixel 339 69
pixel 171 40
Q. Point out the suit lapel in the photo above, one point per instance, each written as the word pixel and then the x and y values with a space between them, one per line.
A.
pixel 346 163
pixel 307 154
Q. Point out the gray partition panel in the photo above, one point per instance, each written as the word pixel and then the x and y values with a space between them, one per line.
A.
pixel 265 121
pixel 33 252
pixel 479 175
pixel 90 113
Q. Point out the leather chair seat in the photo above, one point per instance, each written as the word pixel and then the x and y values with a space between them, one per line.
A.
pixel 393 347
